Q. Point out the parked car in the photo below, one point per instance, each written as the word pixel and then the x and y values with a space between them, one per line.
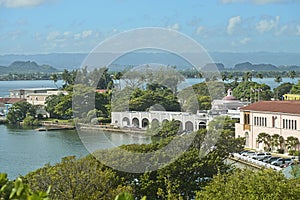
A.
pixel 248 154
pixel 291 164
pixel 244 151
pixel 260 156
pixel 281 161
pixel 271 159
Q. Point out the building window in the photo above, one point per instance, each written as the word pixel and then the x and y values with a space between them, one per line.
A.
pixel 295 125
pixel 265 122
pixel 246 121
pixel 283 123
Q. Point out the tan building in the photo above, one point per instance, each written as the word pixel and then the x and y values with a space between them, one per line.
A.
pixel 271 117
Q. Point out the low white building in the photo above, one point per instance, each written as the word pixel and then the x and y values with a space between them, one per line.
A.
pixel 271 117
pixel 189 122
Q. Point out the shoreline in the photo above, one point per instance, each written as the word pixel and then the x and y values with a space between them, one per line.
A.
pixel 110 129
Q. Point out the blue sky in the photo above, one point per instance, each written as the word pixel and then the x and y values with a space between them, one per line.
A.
pixel 47 26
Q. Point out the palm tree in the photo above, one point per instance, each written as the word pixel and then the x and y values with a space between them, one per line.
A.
pixel 247 76
pixel 292 142
pixel 265 139
pixel 259 75
pixel 278 79
pixel 224 76
pixel 292 74
pixel 54 78
pixel 277 141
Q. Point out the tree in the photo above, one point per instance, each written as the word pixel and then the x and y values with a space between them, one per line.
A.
pixel 265 139
pixel 292 142
pixel 284 88
pixel 251 185
pixel 277 141
pixel 259 75
pixel 252 91
pixel 77 179
pixel 19 111
pixel 296 88
pixel 18 190
pixel 54 78
pixel 247 76
pixel 278 79
pixel 292 74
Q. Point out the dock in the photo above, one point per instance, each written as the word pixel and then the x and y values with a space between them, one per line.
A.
pixel 49 126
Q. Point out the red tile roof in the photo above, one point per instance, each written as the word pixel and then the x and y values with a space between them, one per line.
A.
pixel 292 107
pixel 11 100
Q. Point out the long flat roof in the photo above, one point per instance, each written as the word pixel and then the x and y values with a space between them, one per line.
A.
pixel 292 107
pixel 30 89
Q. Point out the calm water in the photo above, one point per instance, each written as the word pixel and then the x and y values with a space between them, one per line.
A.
pixel 25 150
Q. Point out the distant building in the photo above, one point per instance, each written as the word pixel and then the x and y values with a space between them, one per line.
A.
pixel 6 103
pixel 229 105
pixel 36 96
pixel 23 93
pixel 271 117
pixel 291 97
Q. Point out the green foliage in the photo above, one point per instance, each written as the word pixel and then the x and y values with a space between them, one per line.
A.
pixel 264 138
pixel 296 88
pixel 292 142
pixel 19 111
pixel 252 185
pixel 169 128
pixel 11 190
pixel 77 179
pixel 252 91
pixel 31 121
pixel 284 88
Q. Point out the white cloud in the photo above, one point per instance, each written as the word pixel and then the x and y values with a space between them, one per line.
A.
pixel 53 35
pixel 175 27
pixel 21 3
pixel 259 2
pixel 232 23
pixel 199 30
pixel 267 25
pixel 86 33
pixel 245 40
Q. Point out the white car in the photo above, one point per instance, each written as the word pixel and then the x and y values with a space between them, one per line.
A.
pixel 281 161
pixel 260 156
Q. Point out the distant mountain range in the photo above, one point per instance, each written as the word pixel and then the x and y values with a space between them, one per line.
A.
pixel 60 61
pixel 26 67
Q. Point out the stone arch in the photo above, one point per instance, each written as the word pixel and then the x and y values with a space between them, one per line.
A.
pixel 136 122
pixel 145 122
pixel 180 125
pixel 125 121
pixel 164 121
pixel 155 122
pixel 202 125
pixel 189 126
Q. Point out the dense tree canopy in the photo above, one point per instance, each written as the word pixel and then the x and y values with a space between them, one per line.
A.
pixel 248 184
pixel 252 91
pixel 19 111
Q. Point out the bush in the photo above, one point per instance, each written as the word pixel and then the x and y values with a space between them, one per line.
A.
pixel 28 121
pixel 104 120
pixel 291 152
pixel 294 153
pixel 280 151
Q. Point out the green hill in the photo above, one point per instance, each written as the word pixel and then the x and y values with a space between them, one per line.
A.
pixel 19 67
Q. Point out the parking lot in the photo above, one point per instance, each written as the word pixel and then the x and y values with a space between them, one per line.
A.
pixel 265 159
